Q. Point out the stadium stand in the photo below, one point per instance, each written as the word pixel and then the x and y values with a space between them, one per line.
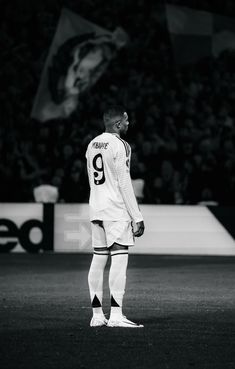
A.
pixel 182 117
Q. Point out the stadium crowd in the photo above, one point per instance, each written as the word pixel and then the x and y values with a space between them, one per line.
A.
pixel 182 117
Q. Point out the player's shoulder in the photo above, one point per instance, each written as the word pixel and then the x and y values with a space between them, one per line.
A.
pixel 106 138
pixel 104 141
pixel 124 145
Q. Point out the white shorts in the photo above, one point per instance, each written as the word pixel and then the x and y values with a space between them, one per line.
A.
pixel 106 233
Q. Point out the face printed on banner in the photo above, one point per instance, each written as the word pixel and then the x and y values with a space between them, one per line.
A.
pixel 86 61
pixel 80 72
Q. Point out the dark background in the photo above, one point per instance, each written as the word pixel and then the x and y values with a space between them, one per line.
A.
pixel 182 140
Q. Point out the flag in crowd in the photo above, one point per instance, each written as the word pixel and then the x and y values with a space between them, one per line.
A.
pixel 79 54
pixel 196 34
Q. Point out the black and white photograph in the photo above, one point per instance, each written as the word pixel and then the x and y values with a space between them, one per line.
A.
pixel 117 184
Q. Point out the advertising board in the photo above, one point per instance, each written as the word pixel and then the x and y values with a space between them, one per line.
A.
pixel 169 230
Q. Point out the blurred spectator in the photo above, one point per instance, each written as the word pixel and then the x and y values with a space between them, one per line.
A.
pixel 46 193
pixel 207 198
pixel 138 186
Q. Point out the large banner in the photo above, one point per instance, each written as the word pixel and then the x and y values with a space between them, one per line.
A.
pixel 170 229
pixel 79 54
pixel 197 34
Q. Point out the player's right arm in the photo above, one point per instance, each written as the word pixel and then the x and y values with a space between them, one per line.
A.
pixel 127 191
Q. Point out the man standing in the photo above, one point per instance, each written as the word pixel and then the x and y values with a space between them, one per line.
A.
pixel 113 208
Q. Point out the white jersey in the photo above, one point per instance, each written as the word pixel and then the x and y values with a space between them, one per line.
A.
pixel 111 193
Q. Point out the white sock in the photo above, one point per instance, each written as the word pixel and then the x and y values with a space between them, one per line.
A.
pixel 117 281
pixel 95 281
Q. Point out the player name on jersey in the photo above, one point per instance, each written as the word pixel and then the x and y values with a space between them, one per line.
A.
pixel 100 145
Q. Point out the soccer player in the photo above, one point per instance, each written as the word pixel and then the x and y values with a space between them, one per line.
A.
pixel 113 208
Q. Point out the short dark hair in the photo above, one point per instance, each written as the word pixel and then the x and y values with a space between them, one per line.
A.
pixel 113 112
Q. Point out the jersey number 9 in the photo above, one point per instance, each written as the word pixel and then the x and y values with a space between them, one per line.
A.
pixel 98 165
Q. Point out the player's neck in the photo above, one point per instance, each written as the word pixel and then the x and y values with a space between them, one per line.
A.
pixel 113 132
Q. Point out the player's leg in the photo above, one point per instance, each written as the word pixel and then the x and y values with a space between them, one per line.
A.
pixel 96 273
pixel 117 274
pixel 117 278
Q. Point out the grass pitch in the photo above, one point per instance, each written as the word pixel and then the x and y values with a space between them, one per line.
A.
pixel 187 305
